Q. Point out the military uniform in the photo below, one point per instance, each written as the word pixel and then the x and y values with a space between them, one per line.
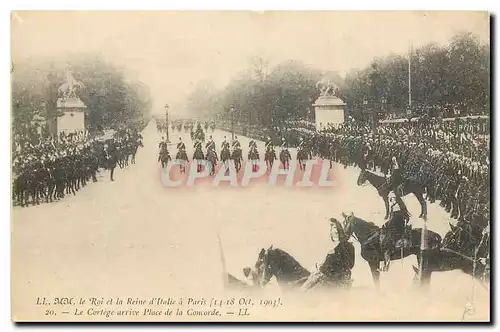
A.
pixel 225 144
pixel 236 144
pixel 395 228
pixel 210 146
pixel 181 146
pixel 284 145
pixel 269 144
pixel 252 144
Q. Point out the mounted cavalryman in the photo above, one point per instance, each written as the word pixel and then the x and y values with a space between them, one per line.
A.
pixel 210 146
pixel 252 144
pixel 269 144
pixel 181 146
pixel 396 232
pixel 225 144
pixel 236 144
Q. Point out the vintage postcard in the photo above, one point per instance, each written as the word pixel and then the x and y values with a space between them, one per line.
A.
pixel 323 166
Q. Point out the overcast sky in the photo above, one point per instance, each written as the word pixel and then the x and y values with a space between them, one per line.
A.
pixel 172 51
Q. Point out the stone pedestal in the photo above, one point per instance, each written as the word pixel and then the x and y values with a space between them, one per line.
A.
pixel 329 110
pixel 71 115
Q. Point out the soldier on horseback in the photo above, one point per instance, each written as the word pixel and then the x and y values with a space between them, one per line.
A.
pixel 284 145
pixel 252 144
pixel 237 153
pixel 210 146
pixel 269 144
pixel 199 134
pixel 181 146
pixel 198 154
pixel 236 144
pixel 182 154
pixel 225 144
pixel 395 233
pixel 162 143
pixel 301 145
pixel 198 146
pixel 284 154
pixel 164 155
pixel 302 153
pixel 110 156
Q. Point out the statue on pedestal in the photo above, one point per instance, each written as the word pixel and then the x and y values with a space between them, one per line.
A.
pixel 70 108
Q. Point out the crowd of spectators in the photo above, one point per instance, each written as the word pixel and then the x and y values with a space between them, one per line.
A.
pixel 449 157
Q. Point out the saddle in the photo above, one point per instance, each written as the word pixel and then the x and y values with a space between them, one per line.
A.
pixel 399 188
pixel 404 240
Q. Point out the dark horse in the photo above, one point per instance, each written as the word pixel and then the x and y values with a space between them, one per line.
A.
pixel 465 247
pixel 285 158
pixel 270 157
pixel 109 161
pixel 368 235
pixel 303 154
pixel 212 160
pixel 182 155
pixel 335 271
pixel 237 157
pixel 280 264
pixel 199 157
pixel 407 187
pixel 164 157
pixel 254 157
pixel 225 154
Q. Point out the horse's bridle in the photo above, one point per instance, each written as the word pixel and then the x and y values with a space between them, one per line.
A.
pixel 262 266
pixel 370 238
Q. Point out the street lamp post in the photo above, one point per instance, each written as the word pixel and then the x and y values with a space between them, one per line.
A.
pixel 166 119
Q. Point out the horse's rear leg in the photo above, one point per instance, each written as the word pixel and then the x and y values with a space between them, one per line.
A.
pixel 50 192
pixel 454 208
pixel 73 184
pixel 423 205
pixel 375 270
pixel 386 203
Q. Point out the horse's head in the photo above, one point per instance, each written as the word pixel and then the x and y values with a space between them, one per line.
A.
pixel 263 266
pixel 349 222
pixel 451 238
pixel 362 177
pixel 462 236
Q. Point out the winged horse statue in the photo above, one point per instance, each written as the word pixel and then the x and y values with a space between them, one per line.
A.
pixel 70 86
pixel 326 87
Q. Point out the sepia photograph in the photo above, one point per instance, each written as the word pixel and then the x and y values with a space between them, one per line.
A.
pixel 250 166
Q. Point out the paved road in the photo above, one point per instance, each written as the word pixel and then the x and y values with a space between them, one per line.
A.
pixel 136 237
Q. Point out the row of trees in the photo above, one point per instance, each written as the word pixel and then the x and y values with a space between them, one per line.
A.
pixel 443 79
pixel 455 76
pixel 110 95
